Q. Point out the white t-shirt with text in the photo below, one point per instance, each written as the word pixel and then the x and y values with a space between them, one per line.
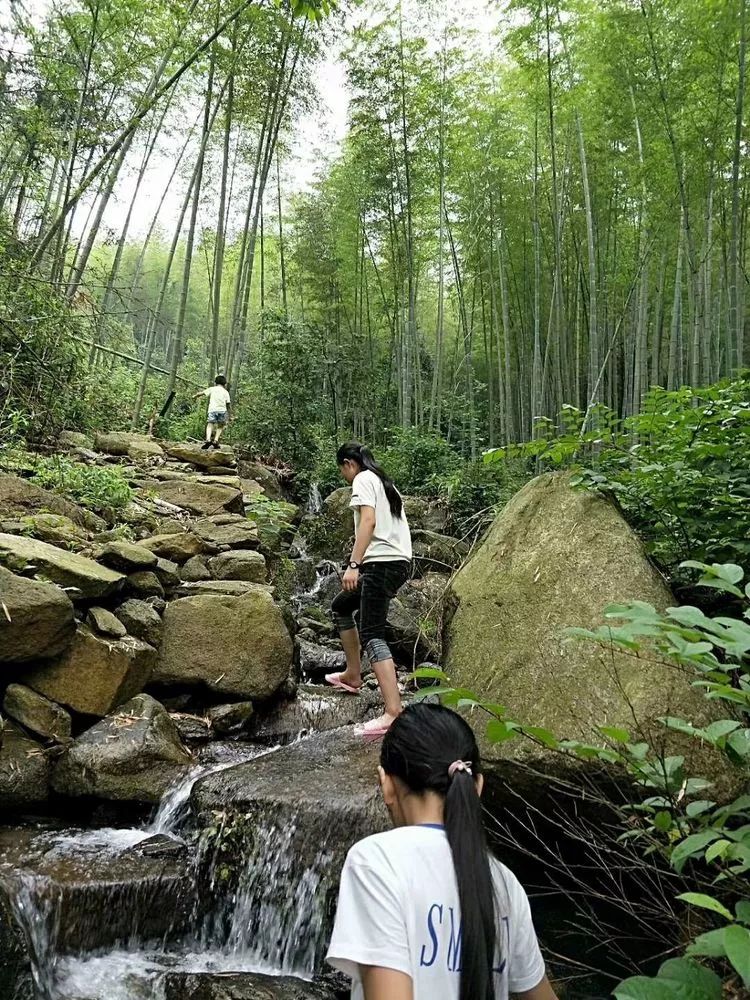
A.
pixel 218 397
pixel 391 538
pixel 398 908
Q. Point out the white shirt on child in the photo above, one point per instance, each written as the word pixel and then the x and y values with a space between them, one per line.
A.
pixel 398 908
pixel 218 397
pixel 391 539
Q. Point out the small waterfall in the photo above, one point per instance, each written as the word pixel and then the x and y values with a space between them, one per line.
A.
pixel 277 916
pixel 36 905
pixel 314 500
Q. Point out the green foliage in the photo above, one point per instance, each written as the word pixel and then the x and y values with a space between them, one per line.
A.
pixel 93 486
pixel 679 468
pixel 278 411
pixel 417 460
pixel 673 816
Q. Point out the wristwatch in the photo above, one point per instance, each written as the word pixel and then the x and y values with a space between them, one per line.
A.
pixel 353 564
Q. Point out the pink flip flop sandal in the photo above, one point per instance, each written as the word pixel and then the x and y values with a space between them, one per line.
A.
pixel 335 681
pixel 371 731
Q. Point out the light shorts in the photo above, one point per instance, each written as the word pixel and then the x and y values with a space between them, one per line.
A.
pixel 217 416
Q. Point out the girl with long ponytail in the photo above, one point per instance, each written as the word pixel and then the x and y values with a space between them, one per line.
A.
pixel 379 565
pixel 424 911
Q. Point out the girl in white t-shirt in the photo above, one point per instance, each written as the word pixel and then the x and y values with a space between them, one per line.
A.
pixel 424 911
pixel 379 565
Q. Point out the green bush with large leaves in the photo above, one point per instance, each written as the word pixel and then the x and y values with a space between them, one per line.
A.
pixel 679 469
pixel 671 814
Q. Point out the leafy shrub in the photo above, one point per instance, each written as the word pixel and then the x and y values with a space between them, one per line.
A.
pixel 679 469
pixel 93 486
pixel 417 460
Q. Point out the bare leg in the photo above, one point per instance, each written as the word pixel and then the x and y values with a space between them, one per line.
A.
pixel 350 644
pixel 218 432
pixel 209 431
pixel 385 671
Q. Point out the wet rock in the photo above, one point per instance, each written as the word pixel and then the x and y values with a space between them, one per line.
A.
pixel 224 588
pixel 315 660
pixel 95 674
pixel 242 986
pixel 192 728
pixel 238 645
pixel 36 620
pixel 187 451
pixel 168 573
pixel 331 533
pixel 20 497
pixel 227 530
pixel 144 584
pixel 195 570
pixel 96 899
pixel 415 617
pixel 105 622
pixel 201 498
pixel 226 720
pixel 176 546
pixel 161 845
pixel 313 709
pixel 53 528
pixel 304 806
pixel 240 564
pixel 266 478
pixel 141 620
pixel 24 771
pixel 68 569
pixel 135 754
pixel 15 978
pixel 437 553
pixel 38 714
pixel 127 557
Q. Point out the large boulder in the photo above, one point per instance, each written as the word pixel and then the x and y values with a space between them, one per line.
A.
pixel 19 497
pixel 240 564
pixel 556 557
pixel 332 532
pixel 315 660
pixel 36 713
pixel 314 709
pixel 237 645
pixel 187 451
pixel 96 674
pixel 24 771
pixel 178 546
pixel 36 619
pixel 227 530
pixel 135 754
pixel 201 498
pixel 225 588
pixel 68 569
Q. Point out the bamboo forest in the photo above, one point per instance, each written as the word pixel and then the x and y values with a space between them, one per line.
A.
pixel 374 439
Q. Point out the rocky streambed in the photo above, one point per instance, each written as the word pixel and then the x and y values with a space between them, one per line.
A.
pixel 178 787
pixel 173 798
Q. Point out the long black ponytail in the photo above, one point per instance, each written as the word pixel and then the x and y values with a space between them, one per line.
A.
pixel 420 748
pixel 355 452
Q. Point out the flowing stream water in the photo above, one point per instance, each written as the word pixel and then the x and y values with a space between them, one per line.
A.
pixel 271 922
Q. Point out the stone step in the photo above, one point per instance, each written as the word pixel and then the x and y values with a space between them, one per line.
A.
pixel 56 898
pixel 291 817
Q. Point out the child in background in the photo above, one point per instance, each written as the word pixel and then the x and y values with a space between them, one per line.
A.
pixel 219 403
